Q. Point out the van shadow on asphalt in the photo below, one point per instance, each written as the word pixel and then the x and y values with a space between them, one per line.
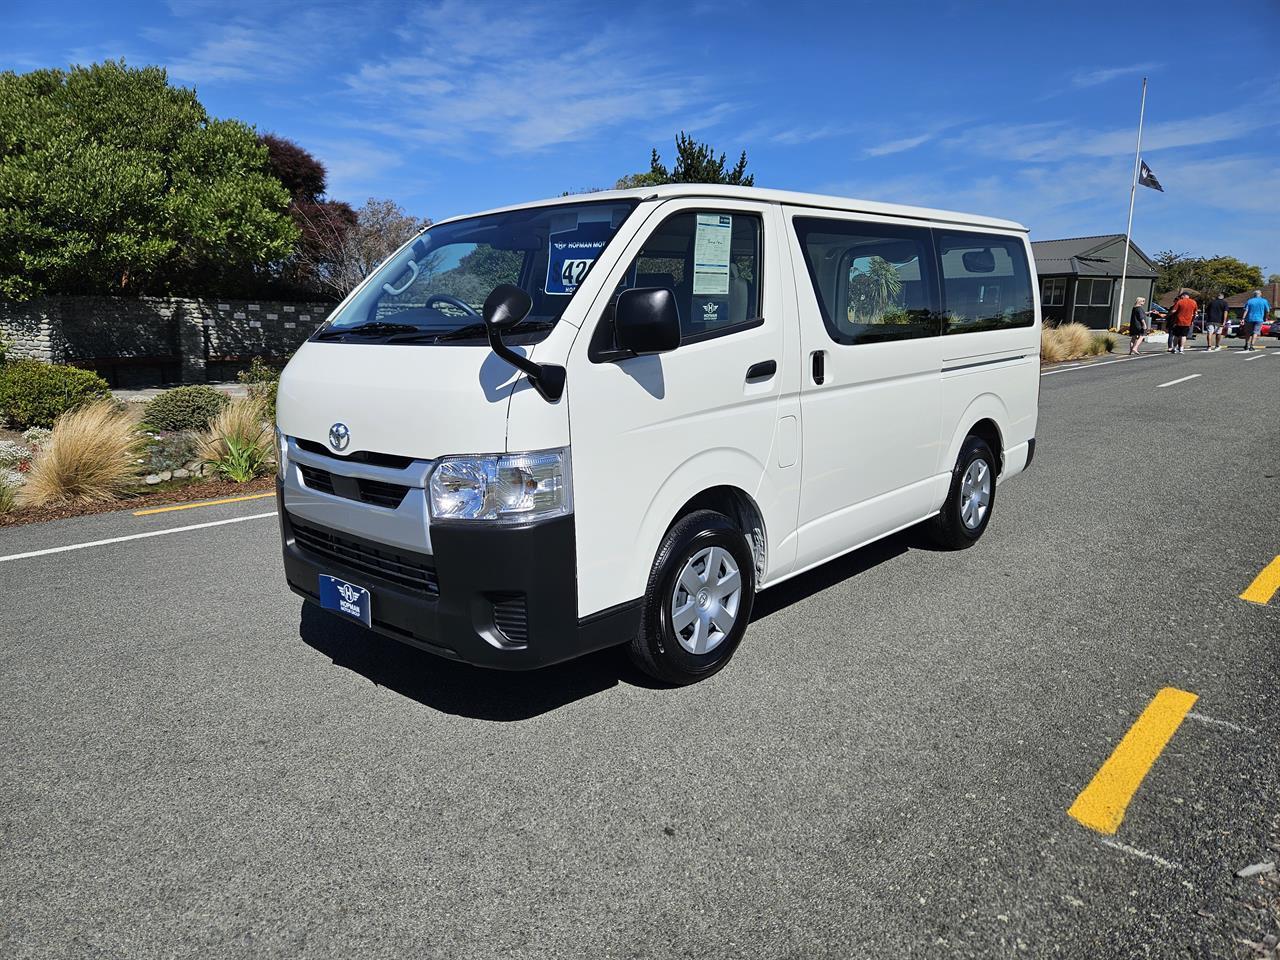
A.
pixel 503 696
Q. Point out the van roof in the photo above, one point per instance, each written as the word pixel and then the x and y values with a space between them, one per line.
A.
pixel 760 194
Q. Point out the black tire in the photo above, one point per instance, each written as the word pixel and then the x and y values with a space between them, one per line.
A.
pixel 949 529
pixel 656 649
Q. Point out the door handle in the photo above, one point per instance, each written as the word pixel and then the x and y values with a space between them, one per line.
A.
pixel 819 366
pixel 764 370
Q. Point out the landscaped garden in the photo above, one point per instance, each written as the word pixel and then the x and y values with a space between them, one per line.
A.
pixel 68 447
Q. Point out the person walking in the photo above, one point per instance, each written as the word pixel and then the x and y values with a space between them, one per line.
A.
pixel 1215 322
pixel 1256 309
pixel 1137 325
pixel 1183 315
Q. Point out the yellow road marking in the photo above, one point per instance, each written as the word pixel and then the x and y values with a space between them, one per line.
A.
pixel 205 503
pixel 1264 585
pixel 1101 805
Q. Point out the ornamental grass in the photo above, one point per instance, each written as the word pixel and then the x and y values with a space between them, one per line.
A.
pixel 89 457
pixel 239 445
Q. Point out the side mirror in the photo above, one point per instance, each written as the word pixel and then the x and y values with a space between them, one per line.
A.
pixel 646 321
pixel 506 306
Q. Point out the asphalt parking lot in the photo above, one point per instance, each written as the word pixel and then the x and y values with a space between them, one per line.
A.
pixel 194 765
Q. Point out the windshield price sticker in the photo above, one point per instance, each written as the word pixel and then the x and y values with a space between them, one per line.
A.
pixel 572 253
pixel 711 246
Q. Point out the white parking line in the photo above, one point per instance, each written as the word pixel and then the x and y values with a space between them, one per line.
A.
pixel 132 536
pixel 1256 356
pixel 1179 380
pixel 1238 728
pixel 1090 366
pixel 1137 852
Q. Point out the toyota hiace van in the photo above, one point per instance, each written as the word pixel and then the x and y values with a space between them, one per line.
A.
pixel 614 418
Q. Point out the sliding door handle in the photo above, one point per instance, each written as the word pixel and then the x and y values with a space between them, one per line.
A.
pixel 819 366
pixel 764 370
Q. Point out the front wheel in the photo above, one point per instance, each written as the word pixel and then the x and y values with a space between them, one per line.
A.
pixel 967 510
pixel 698 600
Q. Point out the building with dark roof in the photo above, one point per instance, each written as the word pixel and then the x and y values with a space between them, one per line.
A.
pixel 1080 279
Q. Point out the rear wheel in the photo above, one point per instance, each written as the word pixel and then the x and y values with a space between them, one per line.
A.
pixel 698 600
pixel 967 510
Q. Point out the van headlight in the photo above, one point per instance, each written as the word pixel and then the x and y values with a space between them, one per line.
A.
pixel 511 487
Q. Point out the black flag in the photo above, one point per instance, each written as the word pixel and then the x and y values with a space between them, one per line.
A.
pixel 1148 179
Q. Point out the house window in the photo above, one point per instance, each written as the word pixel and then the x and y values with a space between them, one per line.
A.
pixel 1053 292
pixel 1093 293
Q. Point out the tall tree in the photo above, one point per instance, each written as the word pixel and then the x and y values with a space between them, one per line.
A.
pixel 322 223
pixel 345 257
pixel 695 163
pixel 114 181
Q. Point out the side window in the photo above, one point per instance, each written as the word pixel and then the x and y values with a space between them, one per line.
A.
pixel 710 260
pixel 1093 293
pixel 1053 293
pixel 874 282
pixel 986 283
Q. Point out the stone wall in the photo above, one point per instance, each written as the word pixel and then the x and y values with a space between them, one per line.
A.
pixel 157 340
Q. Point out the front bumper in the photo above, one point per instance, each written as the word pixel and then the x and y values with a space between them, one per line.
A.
pixel 493 596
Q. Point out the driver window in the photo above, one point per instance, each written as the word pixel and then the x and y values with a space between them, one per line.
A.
pixel 710 260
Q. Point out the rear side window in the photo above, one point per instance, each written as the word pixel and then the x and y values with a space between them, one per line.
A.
pixel 986 283
pixel 710 260
pixel 874 281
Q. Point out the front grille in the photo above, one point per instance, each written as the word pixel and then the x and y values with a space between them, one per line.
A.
pixel 415 571
pixel 360 456
pixel 511 617
pixel 321 480
pixel 377 492
pixel 381 493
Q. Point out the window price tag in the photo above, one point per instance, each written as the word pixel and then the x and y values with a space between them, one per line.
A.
pixel 572 253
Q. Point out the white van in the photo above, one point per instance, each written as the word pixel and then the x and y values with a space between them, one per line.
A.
pixel 613 418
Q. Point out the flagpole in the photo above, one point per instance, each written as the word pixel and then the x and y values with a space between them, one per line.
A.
pixel 1133 189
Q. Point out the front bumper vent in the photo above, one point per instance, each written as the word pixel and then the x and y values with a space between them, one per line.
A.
pixel 413 571
pixel 376 492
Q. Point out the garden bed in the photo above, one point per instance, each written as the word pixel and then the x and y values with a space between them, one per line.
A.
pixel 188 492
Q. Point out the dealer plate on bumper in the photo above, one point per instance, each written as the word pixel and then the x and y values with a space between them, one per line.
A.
pixel 346 599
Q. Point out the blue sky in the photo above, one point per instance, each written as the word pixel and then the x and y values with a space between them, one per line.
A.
pixel 1026 110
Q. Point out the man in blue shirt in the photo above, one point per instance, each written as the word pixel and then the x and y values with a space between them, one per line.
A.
pixel 1256 309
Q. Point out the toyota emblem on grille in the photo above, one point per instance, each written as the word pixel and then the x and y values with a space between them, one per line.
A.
pixel 339 436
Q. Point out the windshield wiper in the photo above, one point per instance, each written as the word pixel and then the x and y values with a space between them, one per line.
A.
pixel 375 328
pixel 468 332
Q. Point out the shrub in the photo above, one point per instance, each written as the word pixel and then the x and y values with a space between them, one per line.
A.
pixel 90 456
pixel 1103 343
pixel 172 451
pixel 185 408
pixel 262 381
pixel 14 455
pixel 36 394
pixel 239 445
pixel 36 437
pixel 8 496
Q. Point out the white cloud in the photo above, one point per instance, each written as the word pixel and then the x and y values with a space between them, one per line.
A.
pixel 898 146
pixel 523 83
pixel 1055 140
pixel 1099 76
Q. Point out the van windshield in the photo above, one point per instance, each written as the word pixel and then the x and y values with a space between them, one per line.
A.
pixel 434 288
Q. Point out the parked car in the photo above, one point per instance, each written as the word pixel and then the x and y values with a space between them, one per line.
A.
pixel 680 395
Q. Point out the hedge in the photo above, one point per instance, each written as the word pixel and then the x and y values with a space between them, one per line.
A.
pixel 35 394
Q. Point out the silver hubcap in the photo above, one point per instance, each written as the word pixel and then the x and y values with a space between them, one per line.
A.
pixel 706 599
pixel 975 494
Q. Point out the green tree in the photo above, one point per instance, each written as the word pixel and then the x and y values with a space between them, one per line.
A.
pixel 114 181
pixel 1273 278
pixel 695 163
pixel 1207 276
pixel 1226 275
